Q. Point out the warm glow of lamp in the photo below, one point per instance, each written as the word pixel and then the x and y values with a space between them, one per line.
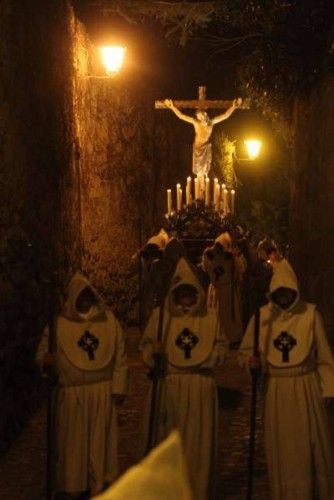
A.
pixel 113 58
pixel 253 148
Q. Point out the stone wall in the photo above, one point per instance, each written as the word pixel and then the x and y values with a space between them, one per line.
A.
pixel 35 151
pixel 85 162
pixel 312 220
pixel 127 157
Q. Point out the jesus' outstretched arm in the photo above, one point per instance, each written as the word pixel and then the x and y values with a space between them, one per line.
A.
pixel 179 114
pixel 236 104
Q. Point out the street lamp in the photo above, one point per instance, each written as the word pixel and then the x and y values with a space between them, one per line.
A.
pixel 253 148
pixel 112 58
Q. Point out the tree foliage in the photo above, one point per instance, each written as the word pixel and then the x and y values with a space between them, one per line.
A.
pixel 182 20
pixel 279 46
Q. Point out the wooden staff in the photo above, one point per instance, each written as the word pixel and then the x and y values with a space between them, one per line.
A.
pixel 50 462
pixel 165 270
pixel 252 434
pixel 156 374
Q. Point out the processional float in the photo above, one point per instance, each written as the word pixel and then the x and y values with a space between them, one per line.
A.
pixel 196 214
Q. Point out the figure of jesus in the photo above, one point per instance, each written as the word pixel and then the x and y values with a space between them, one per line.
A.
pixel 203 125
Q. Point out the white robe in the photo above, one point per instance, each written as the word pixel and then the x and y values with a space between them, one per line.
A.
pixel 187 395
pixel 85 416
pixel 298 440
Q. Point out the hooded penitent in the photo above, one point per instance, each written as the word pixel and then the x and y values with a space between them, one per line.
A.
pixel 184 275
pixel 299 373
pixel 91 365
pixel 160 476
pixel 186 396
pixel 162 270
pixel 192 329
pixel 290 331
pixel 284 277
pixel 85 338
pixel 225 271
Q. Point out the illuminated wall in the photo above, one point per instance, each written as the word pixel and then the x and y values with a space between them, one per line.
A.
pixel 126 156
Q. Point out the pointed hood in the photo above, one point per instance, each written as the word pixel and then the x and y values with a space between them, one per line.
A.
pixel 160 476
pixel 185 275
pixel 225 240
pixel 77 284
pixel 284 276
pixel 160 239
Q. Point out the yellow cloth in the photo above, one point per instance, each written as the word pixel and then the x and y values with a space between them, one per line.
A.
pixel 161 475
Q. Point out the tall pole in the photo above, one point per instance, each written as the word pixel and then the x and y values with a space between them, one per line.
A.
pixel 252 434
pixel 156 375
pixel 50 462
pixel 164 268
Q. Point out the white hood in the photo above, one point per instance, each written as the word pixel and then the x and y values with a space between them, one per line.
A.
pixel 160 239
pixel 77 284
pixel 225 240
pixel 184 275
pixel 284 276
pixel 160 476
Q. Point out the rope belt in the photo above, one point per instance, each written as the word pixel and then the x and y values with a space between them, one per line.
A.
pixel 294 371
pixel 86 382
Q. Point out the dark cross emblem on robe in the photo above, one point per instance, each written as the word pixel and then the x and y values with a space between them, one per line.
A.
pixel 186 340
pixel 285 342
pixel 89 343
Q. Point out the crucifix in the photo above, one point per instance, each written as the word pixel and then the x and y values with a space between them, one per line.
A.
pixel 203 124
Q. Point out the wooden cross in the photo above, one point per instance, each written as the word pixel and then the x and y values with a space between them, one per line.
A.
pixel 202 102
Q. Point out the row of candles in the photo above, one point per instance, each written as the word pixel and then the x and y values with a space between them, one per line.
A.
pixel 222 199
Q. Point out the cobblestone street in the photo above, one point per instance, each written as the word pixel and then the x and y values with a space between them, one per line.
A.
pixel 22 470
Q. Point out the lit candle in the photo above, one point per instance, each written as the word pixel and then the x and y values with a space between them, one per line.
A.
pixel 215 201
pixel 188 191
pixel 232 201
pixel 196 188
pixel 169 201
pixel 207 191
pixel 178 200
pixel 217 196
pixel 200 178
pixel 223 197
pixel 225 200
